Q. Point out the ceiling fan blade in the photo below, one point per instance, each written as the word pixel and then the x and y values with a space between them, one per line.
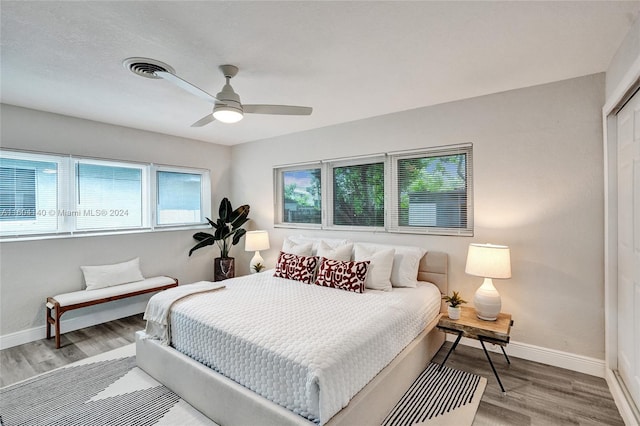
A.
pixel 204 121
pixel 185 85
pixel 277 109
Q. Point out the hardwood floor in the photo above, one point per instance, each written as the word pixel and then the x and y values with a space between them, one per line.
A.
pixel 24 361
pixel 537 394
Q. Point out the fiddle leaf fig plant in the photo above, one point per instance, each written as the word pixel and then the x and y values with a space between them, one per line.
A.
pixel 228 231
pixel 454 300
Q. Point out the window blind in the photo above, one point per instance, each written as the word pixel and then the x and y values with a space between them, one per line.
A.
pixel 358 195
pixel 179 198
pixel 29 194
pixel 108 196
pixel 433 191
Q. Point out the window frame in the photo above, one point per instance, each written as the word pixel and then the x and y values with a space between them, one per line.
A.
pixel 441 151
pixel 391 193
pixel 328 168
pixel 144 195
pixel 205 192
pixel 24 228
pixel 278 190
pixel 67 209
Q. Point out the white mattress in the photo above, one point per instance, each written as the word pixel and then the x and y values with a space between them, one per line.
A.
pixel 305 347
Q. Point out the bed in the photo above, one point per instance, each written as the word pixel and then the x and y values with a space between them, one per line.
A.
pixel 184 366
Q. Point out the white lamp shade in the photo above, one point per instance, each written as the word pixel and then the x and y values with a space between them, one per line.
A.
pixel 488 261
pixel 256 240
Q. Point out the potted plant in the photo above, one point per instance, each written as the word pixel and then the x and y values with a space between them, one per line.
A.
pixel 228 233
pixel 454 302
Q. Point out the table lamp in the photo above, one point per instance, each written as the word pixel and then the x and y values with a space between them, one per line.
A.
pixel 488 261
pixel 256 241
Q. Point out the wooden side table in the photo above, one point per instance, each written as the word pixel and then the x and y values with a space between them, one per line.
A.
pixel 469 325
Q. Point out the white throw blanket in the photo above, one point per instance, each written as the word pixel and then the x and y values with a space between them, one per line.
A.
pixel 159 308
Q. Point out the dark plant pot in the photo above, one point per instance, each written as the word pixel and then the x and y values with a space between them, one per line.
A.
pixel 223 268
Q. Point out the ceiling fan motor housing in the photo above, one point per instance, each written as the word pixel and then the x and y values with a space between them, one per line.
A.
pixel 228 99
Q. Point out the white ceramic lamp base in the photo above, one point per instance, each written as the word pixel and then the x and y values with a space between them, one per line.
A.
pixel 255 260
pixel 487 301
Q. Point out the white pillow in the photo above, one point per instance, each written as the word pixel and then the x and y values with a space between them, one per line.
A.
pixel 378 277
pixel 405 264
pixel 342 253
pixel 289 246
pixel 315 241
pixel 109 275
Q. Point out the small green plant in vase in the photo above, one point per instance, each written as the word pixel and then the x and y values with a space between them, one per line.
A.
pixel 454 301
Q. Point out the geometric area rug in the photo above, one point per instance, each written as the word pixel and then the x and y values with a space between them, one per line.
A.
pixel 108 389
pixel 449 397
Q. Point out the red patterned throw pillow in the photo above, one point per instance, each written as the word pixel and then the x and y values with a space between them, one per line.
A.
pixel 295 267
pixel 348 276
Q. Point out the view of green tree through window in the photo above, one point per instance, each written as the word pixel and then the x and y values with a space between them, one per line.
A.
pixel 301 189
pixel 421 191
pixel 358 195
pixel 433 191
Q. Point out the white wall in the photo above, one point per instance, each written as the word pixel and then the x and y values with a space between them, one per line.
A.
pixel 538 167
pixel 624 61
pixel 32 270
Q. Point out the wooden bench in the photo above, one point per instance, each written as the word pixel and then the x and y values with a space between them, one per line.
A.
pixel 83 298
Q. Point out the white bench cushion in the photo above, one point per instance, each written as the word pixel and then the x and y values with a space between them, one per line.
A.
pixel 82 296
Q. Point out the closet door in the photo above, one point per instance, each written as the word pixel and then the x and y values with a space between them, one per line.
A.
pixel 629 246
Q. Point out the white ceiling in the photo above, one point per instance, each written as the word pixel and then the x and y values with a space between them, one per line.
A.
pixel 347 60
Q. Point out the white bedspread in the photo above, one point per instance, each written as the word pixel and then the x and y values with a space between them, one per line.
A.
pixel 305 347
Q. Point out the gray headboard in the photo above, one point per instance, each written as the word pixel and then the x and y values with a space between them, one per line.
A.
pixel 434 268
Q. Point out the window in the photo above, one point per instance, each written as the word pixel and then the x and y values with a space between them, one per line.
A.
pixel 29 190
pixel 433 191
pixel 357 194
pixel 299 196
pixel 424 192
pixel 44 194
pixel 110 195
pixel 179 197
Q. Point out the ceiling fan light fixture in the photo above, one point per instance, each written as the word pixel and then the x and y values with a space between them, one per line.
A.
pixel 227 114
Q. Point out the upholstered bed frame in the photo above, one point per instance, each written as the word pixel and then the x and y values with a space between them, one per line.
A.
pixel 229 404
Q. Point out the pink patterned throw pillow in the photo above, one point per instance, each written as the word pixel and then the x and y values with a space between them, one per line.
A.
pixel 348 276
pixel 295 267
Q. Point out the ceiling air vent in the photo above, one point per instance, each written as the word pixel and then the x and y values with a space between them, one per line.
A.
pixel 145 67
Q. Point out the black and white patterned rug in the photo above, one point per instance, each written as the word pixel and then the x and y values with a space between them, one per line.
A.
pixel 105 390
pixel 109 389
pixel 447 397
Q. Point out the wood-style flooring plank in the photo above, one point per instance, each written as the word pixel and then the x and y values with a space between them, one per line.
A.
pixel 24 361
pixel 537 394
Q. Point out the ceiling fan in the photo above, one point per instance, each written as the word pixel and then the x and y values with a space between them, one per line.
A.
pixel 227 107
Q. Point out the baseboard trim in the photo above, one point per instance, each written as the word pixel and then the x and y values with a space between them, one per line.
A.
pixel 626 407
pixel 566 360
pixel 71 324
